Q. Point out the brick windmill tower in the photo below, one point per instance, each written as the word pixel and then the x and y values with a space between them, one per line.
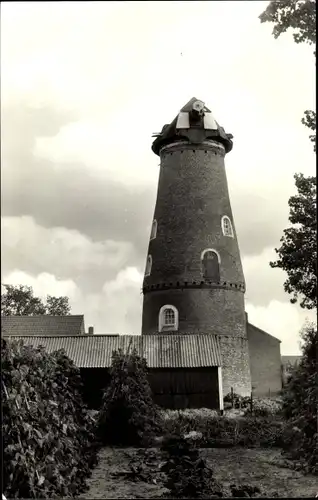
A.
pixel 194 281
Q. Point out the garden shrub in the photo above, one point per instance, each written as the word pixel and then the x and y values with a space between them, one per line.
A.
pixel 300 406
pixel 48 436
pixel 264 407
pixel 188 475
pixel 222 432
pixel 128 415
pixel 237 400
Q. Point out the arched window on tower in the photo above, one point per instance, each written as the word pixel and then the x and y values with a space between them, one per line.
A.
pixel 148 265
pixel 168 319
pixel 210 261
pixel 227 226
pixel 153 233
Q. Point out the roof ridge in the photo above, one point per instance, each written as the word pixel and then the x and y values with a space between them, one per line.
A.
pixel 43 316
pixel 263 331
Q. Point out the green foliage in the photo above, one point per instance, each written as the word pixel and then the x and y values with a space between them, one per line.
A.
pixel 298 252
pixel 259 407
pixel 237 400
pixel 223 432
pixel 300 404
pixel 48 436
pixel 57 306
pixel 300 16
pixel 188 475
pixel 310 121
pixel 264 407
pixel 128 415
pixel 20 301
pixel 245 491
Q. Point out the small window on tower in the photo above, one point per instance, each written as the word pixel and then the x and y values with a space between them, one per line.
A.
pixel 210 260
pixel 168 319
pixel 148 265
pixel 153 230
pixel 227 227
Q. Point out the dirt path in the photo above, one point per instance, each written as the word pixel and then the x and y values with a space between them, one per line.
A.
pixel 263 468
pixel 260 467
pixel 105 483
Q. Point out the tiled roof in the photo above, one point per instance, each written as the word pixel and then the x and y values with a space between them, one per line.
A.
pixel 160 351
pixel 42 325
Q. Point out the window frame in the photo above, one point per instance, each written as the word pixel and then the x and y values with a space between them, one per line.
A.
pixel 162 326
pixel 202 257
pixel 148 265
pixel 226 218
pixel 210 250
pixel 153 232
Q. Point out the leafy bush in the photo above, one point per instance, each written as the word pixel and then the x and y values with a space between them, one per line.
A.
pixel 300 405
pixel 222 432
pixel 189 413
pixel 237 400
pixel 264 407
pixel 48 436
pixel 128 415
pixel 188 475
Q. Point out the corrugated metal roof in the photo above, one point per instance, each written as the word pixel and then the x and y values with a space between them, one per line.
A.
pixel 42 325
pixel 160 351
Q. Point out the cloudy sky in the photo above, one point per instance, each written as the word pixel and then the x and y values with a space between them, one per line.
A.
pixel 84 86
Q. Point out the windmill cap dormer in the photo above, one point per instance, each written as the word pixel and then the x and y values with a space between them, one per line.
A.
pixel 194 123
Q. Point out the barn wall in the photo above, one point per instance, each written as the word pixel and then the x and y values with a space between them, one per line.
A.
pixel 265 362
pixel 179 388
pixel 175 388
pixel 95 380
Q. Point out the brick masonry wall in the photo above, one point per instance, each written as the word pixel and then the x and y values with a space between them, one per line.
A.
pixel 235 365
pixel 265 362
pixel 191 200
pixel 217 311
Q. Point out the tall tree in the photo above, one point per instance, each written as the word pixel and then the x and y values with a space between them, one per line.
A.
pixel 57 306
pixel 298 252
pixel 300 16
pixel 20 301
pixel 300 404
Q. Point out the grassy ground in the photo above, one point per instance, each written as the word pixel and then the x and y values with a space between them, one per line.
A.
pixel 259 467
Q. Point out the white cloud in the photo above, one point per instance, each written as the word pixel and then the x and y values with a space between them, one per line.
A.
pixel 261 280
pixel 116 308
pixel 282 320
pixel 65 252
pixel 44 284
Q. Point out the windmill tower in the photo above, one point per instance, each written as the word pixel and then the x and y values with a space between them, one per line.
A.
pixel 194 281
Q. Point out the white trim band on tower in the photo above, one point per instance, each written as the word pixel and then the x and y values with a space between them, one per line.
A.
pixel 207 143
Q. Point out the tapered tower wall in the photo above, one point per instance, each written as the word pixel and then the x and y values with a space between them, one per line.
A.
pixel 191 200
